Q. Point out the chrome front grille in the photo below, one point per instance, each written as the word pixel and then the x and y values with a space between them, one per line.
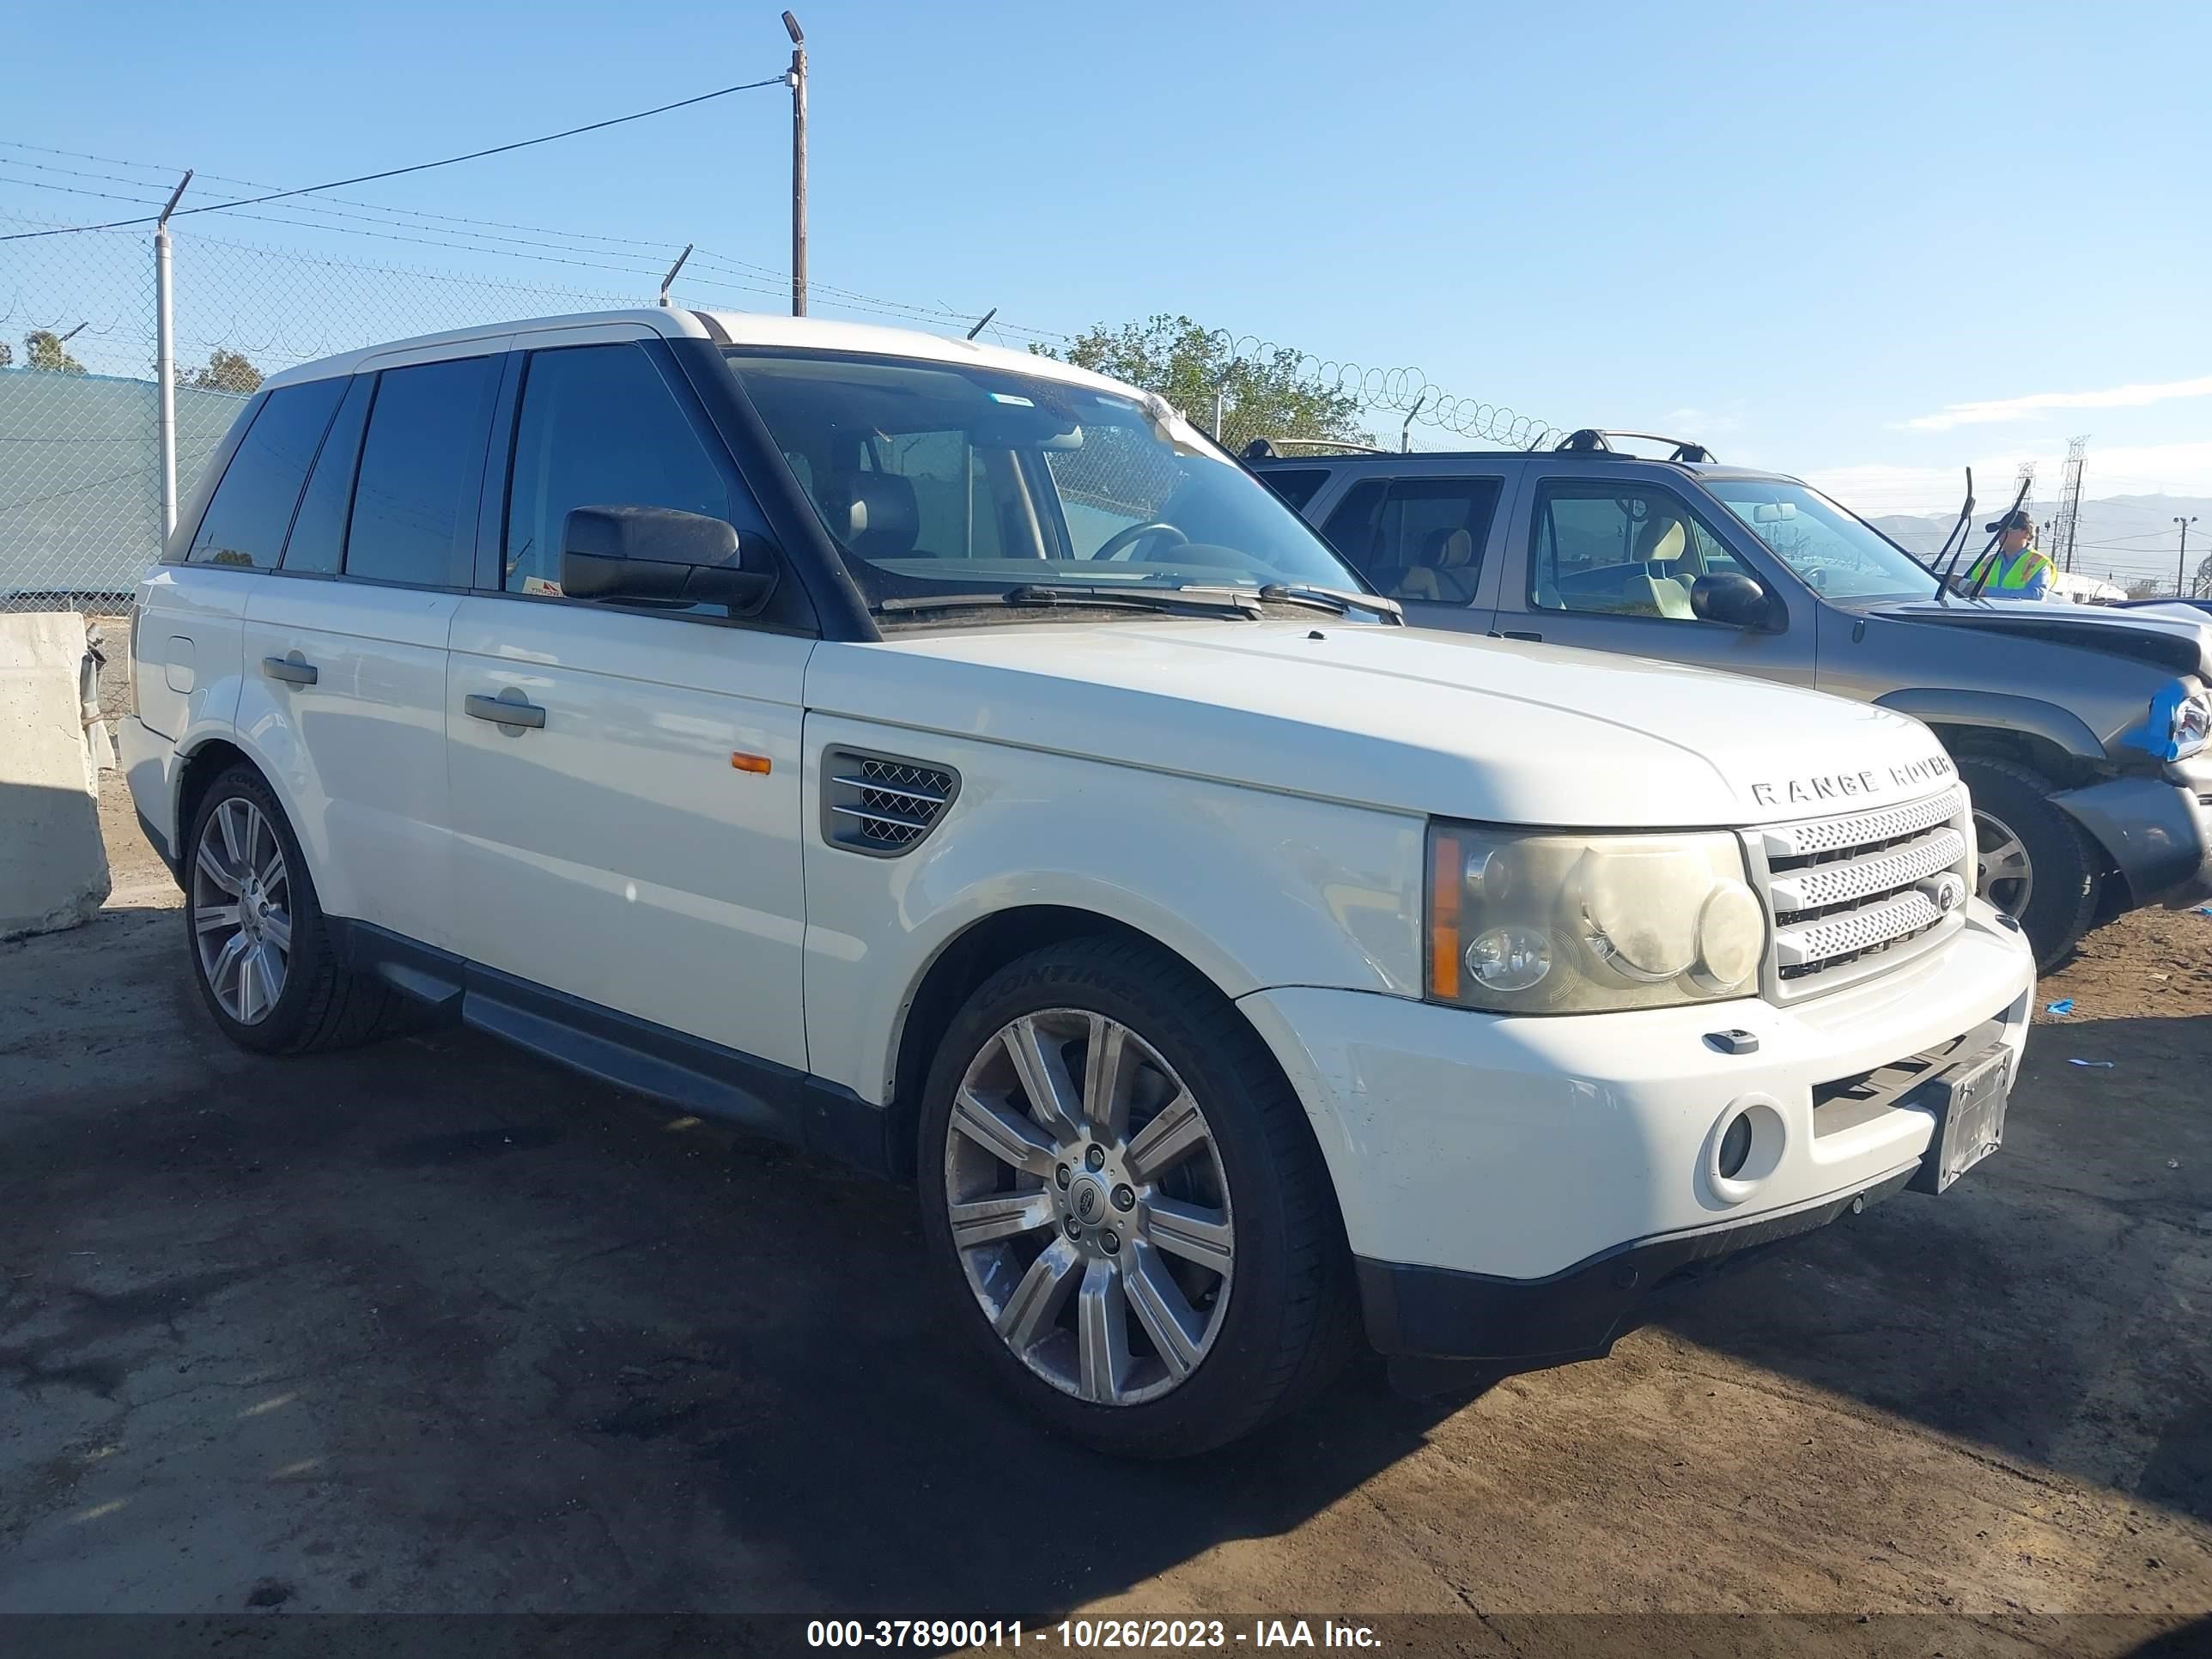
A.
pixel 1849 897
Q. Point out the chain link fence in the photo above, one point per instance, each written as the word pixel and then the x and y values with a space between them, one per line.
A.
pixel 80 460
pixel 80 487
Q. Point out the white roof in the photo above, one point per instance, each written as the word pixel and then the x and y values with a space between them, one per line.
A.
pixel 742 328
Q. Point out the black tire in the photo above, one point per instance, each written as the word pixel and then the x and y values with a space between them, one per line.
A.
pixel 2067 867
pixel 1289 1320
pixel 323 1004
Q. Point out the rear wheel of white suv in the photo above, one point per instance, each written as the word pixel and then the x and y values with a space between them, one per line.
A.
pixel 1125 1200
pixel 261 954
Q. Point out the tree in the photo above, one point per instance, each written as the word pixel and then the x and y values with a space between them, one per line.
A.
pixel 7 354
pixel 2200 585
pixel 1263 396
pixel 227 371
pixel 2143 587
pixel 47 351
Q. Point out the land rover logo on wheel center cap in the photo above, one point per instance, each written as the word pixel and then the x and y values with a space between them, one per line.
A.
pixel 1088 1200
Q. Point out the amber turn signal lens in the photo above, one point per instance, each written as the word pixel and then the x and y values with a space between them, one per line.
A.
pixel 743 763
pixel 1445 880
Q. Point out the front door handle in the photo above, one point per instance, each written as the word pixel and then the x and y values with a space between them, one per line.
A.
pixel 290 670
pixel 1517 633
pixel 500 712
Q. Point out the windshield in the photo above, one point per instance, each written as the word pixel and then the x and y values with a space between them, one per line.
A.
pixel 938 479
pixel 1837 556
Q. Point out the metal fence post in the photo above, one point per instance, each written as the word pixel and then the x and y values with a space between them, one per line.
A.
pixel 165 361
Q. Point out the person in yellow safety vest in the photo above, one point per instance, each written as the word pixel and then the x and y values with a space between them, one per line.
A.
pixel 2019 572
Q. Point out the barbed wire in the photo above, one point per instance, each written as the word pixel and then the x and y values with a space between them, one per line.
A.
pixel 79 474
pixel 1404 391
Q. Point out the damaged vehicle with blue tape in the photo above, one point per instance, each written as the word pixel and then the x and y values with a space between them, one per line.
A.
pixel 2079 730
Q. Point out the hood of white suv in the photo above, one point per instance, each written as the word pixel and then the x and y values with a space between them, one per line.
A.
pixel 1399 718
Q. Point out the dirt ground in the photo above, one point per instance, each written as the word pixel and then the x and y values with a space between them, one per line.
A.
pixel 434 1326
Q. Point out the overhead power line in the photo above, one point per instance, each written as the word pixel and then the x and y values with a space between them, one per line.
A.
pixel 418 166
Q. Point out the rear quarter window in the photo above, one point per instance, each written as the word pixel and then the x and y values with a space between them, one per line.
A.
pixel 1296 485
pixel 248 518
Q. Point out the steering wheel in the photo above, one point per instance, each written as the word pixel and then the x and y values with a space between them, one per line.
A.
pixel 1135 533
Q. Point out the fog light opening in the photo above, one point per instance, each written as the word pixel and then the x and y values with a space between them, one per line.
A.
pixel 1735 1147
pixel 1745 1144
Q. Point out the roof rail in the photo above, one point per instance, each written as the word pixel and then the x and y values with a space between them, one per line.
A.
pixel 1593 440
pixel 1260 449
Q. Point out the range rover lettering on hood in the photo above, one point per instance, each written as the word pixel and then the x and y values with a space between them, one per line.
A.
pixel 1817 788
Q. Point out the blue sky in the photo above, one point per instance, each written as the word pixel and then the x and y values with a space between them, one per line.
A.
pixel 1847 240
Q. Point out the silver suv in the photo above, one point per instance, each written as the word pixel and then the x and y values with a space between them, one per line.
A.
pixel 2080 730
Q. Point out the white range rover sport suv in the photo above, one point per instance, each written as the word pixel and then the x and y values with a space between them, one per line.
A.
pixel 953 762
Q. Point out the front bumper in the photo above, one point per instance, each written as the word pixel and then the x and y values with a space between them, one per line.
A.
pixel 1510 1186
pixel 2157 830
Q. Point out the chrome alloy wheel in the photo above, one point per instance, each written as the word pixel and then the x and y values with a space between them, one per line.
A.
pixel 1089 1206
pixel 242 910
pixel 2003 872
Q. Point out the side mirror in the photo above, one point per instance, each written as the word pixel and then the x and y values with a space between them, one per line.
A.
pixel 1732 598
pixel 659 554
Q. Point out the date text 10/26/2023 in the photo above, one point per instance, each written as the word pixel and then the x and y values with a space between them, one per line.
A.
pixel 1091 1635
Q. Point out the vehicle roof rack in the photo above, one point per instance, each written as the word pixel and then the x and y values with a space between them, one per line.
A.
pixel 1262 449
pixel 1594 441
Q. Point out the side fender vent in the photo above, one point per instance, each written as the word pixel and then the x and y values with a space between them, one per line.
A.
pixel 881 804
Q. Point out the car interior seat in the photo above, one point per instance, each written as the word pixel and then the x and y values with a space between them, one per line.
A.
pixel 871 513
pixel 1661 544
pixel 1445 572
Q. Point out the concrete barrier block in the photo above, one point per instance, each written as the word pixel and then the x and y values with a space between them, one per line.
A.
pixel 53 866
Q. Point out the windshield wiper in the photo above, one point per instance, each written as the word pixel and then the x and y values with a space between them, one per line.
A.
pixel 1341 600
pixel 1204 602
pixel 1948 555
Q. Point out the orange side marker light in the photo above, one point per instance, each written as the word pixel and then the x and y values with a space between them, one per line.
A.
pixel 755 763
pixel 1446 873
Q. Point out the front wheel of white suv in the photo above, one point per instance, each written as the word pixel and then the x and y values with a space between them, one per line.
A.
pixel 1125 1201
pixel 261 954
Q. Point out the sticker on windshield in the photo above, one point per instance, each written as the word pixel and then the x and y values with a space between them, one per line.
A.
pixel 1009 397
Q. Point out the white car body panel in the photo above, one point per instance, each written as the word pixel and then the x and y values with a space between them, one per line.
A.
pixel 1406 720
pixel 1519 1147
pixel 190 619
pixel 1252 889
pixel 359 757
pixel 617 854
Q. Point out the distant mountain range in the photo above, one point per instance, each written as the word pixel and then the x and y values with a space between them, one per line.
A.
pixel 2122 538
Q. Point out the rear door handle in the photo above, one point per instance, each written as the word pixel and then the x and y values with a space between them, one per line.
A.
pixel 289 669
pixel 500 712
pixel 1516 633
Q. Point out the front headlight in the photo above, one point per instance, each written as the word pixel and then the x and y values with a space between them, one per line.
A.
pixel 1554 923
pixel 2192 725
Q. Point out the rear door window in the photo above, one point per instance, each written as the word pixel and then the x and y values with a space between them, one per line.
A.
pixel 1418 538
pixel 420 464
pixel 245 522
pixel 1429 541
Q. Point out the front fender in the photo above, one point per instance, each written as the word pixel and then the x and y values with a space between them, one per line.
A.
pixel 2001 711
pixel 1255 889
